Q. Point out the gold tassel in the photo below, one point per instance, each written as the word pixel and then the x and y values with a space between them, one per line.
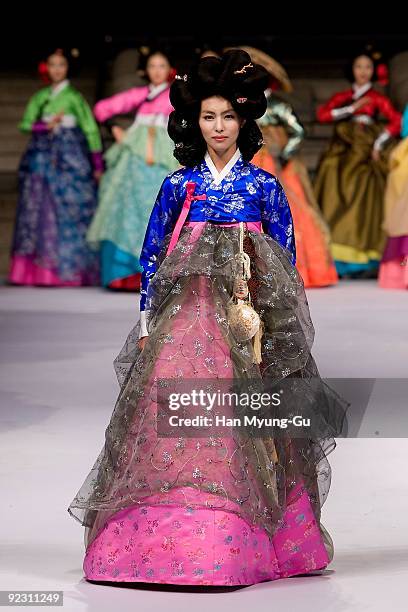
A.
pixel 257 345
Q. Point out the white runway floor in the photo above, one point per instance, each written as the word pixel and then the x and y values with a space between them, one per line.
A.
pixel 58 388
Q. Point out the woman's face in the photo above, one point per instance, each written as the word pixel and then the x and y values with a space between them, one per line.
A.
pixel 220 124
pixel 158 69
pixel 57 67
pixel 363 69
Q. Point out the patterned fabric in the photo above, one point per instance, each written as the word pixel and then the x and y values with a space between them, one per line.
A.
pixel 198 546
pixel 190 338
pixel 229 507
pixel 247 193
pixel 126 193
pixel 48 102
pixel 57 199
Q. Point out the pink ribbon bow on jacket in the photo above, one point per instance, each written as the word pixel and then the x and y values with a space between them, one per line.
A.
pixel 183 215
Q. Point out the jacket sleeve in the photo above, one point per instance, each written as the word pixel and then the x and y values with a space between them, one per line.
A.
pixel 163 217
pixel 87 123
pixel 338 107
pixel 120 104
pixel 386 108
pixel 32 112
pixel 276 216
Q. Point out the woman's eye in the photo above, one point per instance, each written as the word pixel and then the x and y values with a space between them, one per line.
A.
pixel 208 117
pixel 229 116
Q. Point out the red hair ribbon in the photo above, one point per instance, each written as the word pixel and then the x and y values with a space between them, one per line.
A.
pixel 43 73
pixel 382 74
pixel 172 75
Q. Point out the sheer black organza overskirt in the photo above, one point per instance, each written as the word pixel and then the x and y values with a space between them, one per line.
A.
pixel 190 338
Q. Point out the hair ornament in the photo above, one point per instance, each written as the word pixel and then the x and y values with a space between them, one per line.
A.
pixel 43 72
pixel 243 69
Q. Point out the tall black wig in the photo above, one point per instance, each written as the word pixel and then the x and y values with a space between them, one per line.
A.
pixel 232 76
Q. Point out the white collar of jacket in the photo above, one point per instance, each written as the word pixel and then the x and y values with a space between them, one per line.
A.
pixel 360 90
pixel 219 176
pixel 56 90
pixel 155 90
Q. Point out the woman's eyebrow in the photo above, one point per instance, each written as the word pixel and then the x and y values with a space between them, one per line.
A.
pixel 208 112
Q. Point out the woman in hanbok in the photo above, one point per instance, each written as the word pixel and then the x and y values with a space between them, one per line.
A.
pixel 283 134
pixel 213 508
pixel 393 272
pixel 58 177
pixel 352 174
pixel 136 165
